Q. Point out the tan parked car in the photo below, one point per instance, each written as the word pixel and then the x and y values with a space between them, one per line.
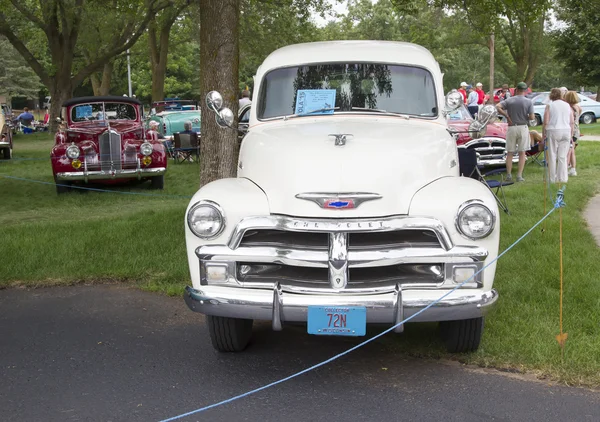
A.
pixel 6 141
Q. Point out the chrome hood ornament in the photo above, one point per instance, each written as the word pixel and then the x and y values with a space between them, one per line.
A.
pixel 338 201
pixel 340 138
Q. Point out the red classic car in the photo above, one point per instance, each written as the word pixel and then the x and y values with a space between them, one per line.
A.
pixel 103 140
pixel 491 148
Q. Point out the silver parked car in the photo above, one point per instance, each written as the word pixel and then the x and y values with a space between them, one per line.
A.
pixel 589 114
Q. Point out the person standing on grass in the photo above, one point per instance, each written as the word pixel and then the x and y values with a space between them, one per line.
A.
pixel 472 101
pixel 463 91
pixel 480 94
pixel 518 111
pixel 558 130
pixel 573 100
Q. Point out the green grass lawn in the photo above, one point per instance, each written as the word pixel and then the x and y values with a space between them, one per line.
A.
pixel 589 130
pixel 92 236
pixel 98 237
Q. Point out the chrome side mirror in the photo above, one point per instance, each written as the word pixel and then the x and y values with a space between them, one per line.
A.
pixel 487 115
pixel 453 100
pixel 224 116
pixel 214 101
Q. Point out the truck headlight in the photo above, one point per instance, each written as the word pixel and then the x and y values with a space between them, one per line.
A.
pixel 474 220
pixel 205 219
pixel 146 148
pixel 73 152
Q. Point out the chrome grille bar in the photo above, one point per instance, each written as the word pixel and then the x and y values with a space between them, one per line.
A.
pixel 323 225
pixel 110 151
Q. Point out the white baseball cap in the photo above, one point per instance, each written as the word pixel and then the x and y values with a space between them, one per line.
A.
pixel 463 84
pixel 479 84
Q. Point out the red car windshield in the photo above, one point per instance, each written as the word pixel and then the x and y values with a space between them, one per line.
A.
pixel 103 111
pixel 460 114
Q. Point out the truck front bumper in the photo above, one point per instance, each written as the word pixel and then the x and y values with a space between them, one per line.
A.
pixel 385 308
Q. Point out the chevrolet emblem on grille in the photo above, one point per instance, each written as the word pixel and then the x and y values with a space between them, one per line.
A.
pixel 338 201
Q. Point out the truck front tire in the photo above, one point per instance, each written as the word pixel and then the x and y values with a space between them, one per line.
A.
pixel 462 336
pixel 229 334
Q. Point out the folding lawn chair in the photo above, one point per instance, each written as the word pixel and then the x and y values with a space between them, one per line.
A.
pixel 187 147
pixel 468 167
pixel 535 155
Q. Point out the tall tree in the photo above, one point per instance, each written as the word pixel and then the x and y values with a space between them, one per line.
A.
pixel 219 56
pixel 61 22
pixel 519 23
pixel 159 31
pixel 577 42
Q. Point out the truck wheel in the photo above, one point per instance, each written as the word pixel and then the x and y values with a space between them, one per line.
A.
pixel 157 182
pixel 463 335
pixel 229 334
pixel 7 153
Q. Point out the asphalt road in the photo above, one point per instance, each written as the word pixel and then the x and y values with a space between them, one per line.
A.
pixel 109 353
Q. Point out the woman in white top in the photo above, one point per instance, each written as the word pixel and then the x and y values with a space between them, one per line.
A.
pixel 558 131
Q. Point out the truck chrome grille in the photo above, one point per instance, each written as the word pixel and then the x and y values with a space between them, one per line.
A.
pixel 359 240
pixel 110 151
pixel 331 255
pixel 266 275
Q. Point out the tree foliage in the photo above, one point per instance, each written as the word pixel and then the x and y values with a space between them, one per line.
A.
pixel 519 25
pixel 577 43
pixel 266 25
pixel 65 26
pixel 16 77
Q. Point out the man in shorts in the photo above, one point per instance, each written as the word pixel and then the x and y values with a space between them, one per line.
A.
pixel 518 111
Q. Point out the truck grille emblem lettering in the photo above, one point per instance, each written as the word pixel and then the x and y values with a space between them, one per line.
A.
pixel 338 201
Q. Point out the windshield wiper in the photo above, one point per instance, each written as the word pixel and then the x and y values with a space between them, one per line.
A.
pixel 308 113
pixel 377 110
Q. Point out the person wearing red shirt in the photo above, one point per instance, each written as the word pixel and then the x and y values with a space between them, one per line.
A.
pixel 463 91
pixel 480 94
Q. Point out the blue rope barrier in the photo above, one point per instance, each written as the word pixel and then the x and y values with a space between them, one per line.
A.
pixel 95 189
pixel 560 198
pixel 331 359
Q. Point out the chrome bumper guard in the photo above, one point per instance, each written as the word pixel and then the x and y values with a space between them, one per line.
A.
pixel 114 174
pixel 388 308
pixel 4 144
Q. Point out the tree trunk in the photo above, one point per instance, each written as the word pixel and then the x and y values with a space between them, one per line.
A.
pixel 219 55
pixel 106 78
pixel 61 90
pixel 492 66
pixel 95 80
pixel 158 55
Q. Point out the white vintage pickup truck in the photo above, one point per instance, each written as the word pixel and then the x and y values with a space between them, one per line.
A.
pixel 348 208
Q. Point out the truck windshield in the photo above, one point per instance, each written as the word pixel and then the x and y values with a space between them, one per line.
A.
pixel 347 87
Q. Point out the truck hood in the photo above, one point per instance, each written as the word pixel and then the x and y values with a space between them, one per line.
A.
pixel 385 156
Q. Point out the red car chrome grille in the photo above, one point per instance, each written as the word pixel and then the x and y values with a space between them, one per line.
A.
pixel 110 150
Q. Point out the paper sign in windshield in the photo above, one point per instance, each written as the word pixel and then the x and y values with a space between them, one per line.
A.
pixel 83 111
pixel 315 101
